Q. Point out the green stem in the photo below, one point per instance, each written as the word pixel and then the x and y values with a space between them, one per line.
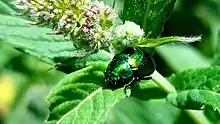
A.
pixel 146 14
pixel 197 116
pixel 163 82
pixel 146 42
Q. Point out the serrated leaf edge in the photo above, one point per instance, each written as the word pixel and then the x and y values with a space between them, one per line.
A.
pixel 83 101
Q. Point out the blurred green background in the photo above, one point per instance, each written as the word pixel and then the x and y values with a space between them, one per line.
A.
pixel 26 81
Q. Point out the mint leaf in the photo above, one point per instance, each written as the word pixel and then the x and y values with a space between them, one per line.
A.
pixel 196 87
pixel 93 109
pixel 149 14
pixel 5 8
pixel 34 40
pixel 73 64
pixel 134 111
pixel 146 90
pixel 78 98
pixel 202 78
pixel 52 49
pixel 195 99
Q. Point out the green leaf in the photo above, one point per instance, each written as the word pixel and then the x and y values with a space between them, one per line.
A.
pixel 196 87
pixel 73 64
pixel 34 40
pixel 146 90
pixel 134 111
pixel 146 42
pixel 181 57
pixel 149 14
pixel 78 98
pixel 5 8
pixel 52 49
pixel 195 99
pixel 202 78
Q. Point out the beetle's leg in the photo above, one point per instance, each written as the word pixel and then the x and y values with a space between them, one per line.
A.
pixel 128 86
pixel 35 23
pixel 54 33
pixel 145 78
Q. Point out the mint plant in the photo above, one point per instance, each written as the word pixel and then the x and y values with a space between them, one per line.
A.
pixel 80 37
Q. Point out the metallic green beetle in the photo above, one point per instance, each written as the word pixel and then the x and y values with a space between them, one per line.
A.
pixel 129 67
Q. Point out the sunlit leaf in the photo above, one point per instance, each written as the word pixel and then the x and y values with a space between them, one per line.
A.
pixel 52 49
pixel 136 111
pixel 78 98
pixel 195 99
pixel 150 14
pixel 196 87
pixel 5 8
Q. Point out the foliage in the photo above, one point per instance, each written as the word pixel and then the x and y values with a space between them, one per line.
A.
pixel 196 88
pixel 150 14
pixel 79 97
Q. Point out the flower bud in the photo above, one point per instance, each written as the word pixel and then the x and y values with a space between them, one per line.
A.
pixel 126 35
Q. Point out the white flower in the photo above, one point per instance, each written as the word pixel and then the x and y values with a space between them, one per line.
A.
pixel 126 35
pixel 129 29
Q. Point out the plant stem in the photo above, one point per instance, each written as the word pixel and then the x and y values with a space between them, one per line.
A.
pixel 197 116
pixel 164 84
pixel 147 42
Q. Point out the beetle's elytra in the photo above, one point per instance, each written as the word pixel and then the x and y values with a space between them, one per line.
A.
pixel 129 67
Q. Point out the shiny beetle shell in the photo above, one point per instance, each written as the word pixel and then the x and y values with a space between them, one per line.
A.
pixel 129 67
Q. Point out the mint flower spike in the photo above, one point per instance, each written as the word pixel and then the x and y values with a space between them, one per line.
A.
pixel 95 29
pixel 51 10
pixel 87 23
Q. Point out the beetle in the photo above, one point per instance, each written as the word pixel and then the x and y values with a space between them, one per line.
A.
pixel 129 67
